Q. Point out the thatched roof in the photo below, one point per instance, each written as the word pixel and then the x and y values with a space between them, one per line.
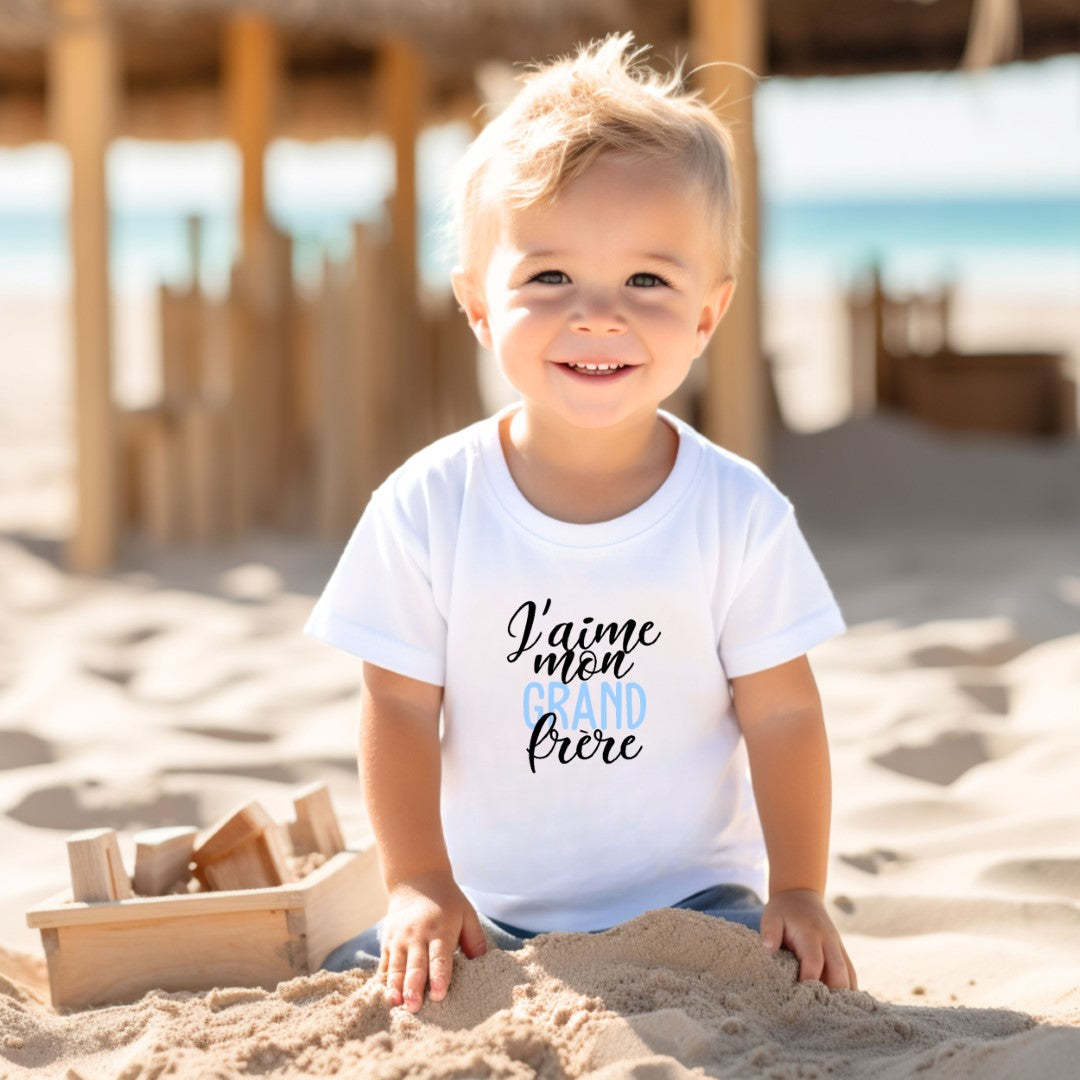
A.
pixel 171 49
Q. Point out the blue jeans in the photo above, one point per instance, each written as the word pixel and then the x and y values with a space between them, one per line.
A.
pixel 736 903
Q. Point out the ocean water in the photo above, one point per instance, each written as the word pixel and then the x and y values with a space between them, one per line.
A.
pixel 1025 243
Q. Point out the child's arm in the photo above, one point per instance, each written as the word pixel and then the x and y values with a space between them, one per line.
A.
pixel 779 711
pixel 428 915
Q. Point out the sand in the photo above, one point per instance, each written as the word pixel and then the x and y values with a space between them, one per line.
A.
pixel 179 686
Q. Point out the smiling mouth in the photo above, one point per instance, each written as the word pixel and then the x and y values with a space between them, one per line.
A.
pixel 596 369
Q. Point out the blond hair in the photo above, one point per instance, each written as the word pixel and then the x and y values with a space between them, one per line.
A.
pixel 603 100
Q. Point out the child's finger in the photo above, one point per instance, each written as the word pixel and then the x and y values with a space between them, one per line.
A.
pixel 835 975
pixel 472 940
pixel 396 962
pixel 853 980
pixel 440 967
pixel 416 972
pixel 772 931
pixel 811 960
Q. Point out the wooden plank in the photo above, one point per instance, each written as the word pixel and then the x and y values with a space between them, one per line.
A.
pixel 281 422
pixel 161 858
pixel 376 387
pixel 316 827
pixel 93 965
pixel 82 89
pixel 241 380
pixel 331 432
pixel 158 461
pixel 373 446
pixel 180 317
pixel 204 451
pixel 97 870
pixel 340 907
pixel 736 400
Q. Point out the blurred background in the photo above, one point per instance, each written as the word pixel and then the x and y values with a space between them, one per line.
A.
pixel 218 222
pixel 225 316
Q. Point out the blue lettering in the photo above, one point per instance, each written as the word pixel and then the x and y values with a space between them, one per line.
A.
pixel 584 708
pixel 634 690
pixel 558 695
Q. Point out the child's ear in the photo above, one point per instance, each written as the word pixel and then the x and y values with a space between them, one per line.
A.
pixel 716 303
pixel 471 298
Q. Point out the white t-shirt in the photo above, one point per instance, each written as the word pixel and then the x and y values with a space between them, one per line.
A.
pixel 592 764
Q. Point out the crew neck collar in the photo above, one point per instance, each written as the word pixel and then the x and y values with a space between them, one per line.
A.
pixel 595 534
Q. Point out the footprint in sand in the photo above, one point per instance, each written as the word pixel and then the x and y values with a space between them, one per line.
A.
pixel 877 861
pixel 948 755
pixel 93 805
pixel 227 734
pixel 942 760
pixel 993 654
pixel 1042 877
pixel 19 749
pixel 993 697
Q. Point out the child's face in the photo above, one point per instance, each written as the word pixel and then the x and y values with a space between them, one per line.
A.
pixel 618 270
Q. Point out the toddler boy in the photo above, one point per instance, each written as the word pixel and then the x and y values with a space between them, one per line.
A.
pixel 584 625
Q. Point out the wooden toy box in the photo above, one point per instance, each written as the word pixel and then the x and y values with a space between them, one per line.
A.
pixel 116 950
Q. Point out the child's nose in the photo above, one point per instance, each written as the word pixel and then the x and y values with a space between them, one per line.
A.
pixel 597 315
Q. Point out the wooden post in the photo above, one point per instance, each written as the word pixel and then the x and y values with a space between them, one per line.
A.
pixel 884 368
pixel 377 391
pixel 402 95
pixel 83 103
pixel 252 76
pixel 736 406
pixel 332 464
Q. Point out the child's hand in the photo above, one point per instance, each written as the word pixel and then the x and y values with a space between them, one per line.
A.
pixel 427 917
pixel 797 919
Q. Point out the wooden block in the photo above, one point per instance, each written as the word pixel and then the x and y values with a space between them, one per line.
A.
pixel 162 857
pixel 254 864
pixel 97 871
pixel 242 825
pixel 101 953
pixel 316 827
pixel 243 851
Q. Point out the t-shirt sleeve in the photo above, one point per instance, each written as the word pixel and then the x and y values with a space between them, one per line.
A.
pixel 379 603
pixel 781 605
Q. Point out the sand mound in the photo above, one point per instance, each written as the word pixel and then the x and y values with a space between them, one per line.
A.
pixel 665 995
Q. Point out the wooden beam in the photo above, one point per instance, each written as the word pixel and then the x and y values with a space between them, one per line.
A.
pixel 402 92
pixel 83 93
pixel 736 403
pixel 252 73
pixel 402 76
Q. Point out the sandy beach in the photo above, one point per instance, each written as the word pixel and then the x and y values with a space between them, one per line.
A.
pixel 179 686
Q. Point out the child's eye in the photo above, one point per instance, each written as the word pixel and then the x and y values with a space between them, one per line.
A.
pixel 550 277
pixel 646 281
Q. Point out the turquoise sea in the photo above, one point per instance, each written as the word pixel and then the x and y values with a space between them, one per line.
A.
pixel 1028 243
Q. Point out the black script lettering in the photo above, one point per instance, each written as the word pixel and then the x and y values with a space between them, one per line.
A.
pixel 544 734
pixel 530 616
